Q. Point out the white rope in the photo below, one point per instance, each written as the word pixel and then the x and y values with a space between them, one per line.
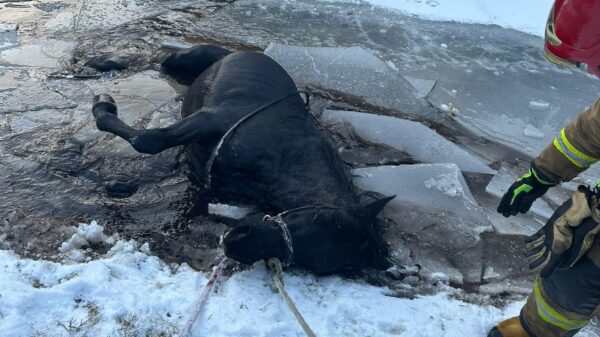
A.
pixel 277 275
pixel 187 329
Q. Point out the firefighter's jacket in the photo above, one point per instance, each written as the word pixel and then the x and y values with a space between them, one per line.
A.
pixel 564 302
pixel 575 148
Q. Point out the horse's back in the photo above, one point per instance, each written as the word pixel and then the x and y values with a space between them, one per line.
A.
pixel 235 86
pixel 241 82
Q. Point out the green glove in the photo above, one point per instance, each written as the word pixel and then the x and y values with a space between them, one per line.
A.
pixel 524 192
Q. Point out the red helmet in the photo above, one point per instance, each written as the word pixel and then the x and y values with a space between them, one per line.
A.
pixel 573 34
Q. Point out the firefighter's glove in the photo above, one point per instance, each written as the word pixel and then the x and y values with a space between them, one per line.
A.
pixel 523 192
pixel 567 236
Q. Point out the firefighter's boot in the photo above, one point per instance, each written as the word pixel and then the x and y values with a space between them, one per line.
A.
pixel 508 328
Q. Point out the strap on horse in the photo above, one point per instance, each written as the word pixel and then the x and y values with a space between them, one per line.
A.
pixel 231 130
pixel 285 230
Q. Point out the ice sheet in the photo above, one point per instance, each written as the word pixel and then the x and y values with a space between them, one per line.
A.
pixel 8 35
pixel 354 71
pixel 527 16
pixel 433 203
pixel 414 138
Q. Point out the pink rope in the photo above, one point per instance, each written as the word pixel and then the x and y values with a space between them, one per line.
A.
pixel 203 297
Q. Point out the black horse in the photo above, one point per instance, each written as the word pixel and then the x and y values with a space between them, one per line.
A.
pixel 249 138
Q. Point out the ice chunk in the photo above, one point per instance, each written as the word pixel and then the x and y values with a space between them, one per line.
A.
pixel 392 65
pixel 8 36
pixel 523 224
pixel 229 211
pixel 63 22
pixel 533 132
pixel 137 96
pixel 538 105
pixel 423 86
pixel 9 80
pixel 8 27
pixel 16 96
pixel 434 204
pixel 354 71
pixel 48 53
pixel 100 14
pixel 174 44
pixel 447 184
pixel 503 179
pixel 438 187
pixel 18 124
pixel 414 138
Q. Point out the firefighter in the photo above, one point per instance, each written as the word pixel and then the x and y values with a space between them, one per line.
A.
pixel 567 289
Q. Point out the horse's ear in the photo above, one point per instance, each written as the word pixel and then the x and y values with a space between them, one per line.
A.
pixel 373 208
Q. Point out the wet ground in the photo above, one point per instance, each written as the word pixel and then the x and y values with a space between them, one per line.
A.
pixel 56 169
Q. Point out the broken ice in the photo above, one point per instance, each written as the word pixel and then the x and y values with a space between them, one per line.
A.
pixel 354 71
pixel 8 36
pixel 533 132
pixel 433 203
pixel 435 186
pixel 414 138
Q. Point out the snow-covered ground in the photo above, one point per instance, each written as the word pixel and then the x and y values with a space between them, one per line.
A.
pixel 129 292
pixel 527 16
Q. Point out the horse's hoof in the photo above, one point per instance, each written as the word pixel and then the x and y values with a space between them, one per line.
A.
pixel 104 103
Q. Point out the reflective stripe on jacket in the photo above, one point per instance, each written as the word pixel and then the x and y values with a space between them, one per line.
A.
pixel 575 148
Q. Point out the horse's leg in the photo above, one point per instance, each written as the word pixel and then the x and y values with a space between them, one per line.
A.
pixel 193 128
pixel 185 66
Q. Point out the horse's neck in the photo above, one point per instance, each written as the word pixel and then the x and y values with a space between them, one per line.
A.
pixel 321 183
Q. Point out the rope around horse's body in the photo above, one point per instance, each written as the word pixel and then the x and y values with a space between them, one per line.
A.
pixel 215 153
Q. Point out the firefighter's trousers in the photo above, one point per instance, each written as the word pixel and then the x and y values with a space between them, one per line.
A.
pixel 563 303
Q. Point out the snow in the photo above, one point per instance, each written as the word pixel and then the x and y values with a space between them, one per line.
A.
pixel 130 290
pixel 414 138
pixel 447 184
pixel 527 16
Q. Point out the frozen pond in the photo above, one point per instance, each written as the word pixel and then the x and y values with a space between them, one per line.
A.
pixel 442 114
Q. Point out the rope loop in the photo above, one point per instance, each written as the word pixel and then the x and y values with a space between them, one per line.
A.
pixel 286 235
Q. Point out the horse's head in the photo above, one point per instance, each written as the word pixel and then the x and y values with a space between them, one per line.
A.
pixel 323 240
